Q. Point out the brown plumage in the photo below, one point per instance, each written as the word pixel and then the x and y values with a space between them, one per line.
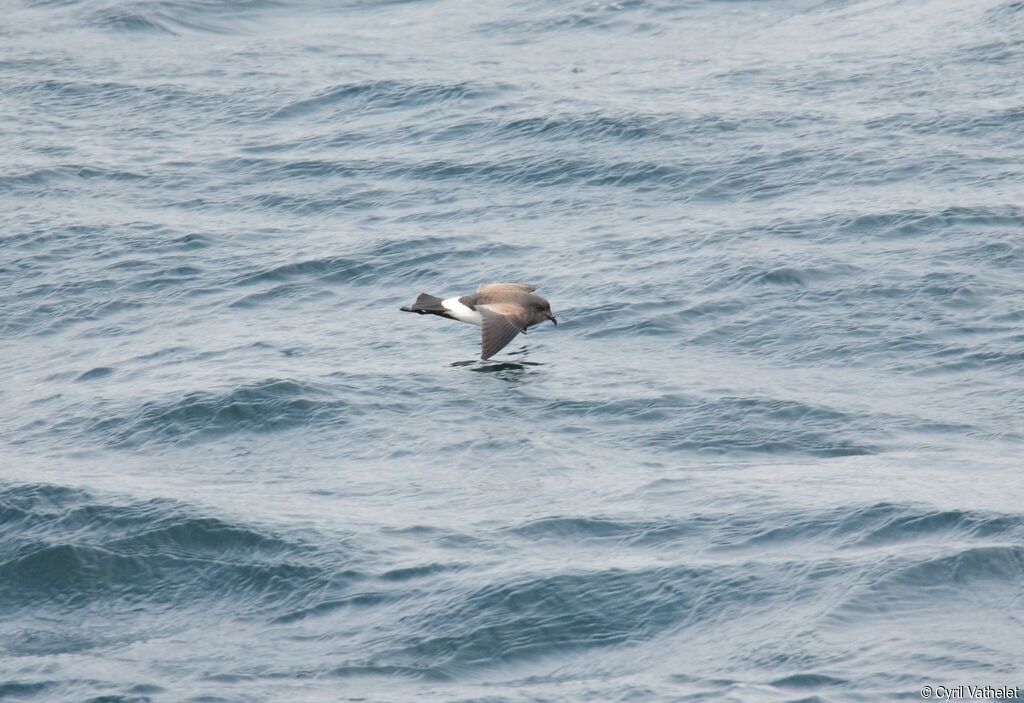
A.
pixel 502 310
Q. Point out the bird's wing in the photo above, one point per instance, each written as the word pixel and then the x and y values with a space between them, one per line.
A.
pixel 501 323
pixel 499 288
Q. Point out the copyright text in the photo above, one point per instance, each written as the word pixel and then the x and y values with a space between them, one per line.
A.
pixel 967 692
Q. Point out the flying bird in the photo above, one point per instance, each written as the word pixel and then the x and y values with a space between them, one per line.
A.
pixel 502 310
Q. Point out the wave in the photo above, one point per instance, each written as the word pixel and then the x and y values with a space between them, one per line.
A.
pixel 642 17
pixel 731 425
pixel 530 616
pixel 41 180
pixel 668 422
pixel 407 260
pixel 916 222
pixel 176 17
pixel 850 528
pixel 263 406
pixel 378 95
pixel 941 584
pixel 634 586
pixel 67 548
pixel 531 163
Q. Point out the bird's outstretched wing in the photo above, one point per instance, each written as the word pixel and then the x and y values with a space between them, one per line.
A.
pixel 501 323
pixel 496 289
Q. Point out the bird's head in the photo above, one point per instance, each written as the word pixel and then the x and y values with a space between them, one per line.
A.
pixel 541 310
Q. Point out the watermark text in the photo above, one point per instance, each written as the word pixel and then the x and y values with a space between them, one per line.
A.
pixel 968 692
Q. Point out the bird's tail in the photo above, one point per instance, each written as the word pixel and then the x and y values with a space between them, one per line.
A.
pixel 427 304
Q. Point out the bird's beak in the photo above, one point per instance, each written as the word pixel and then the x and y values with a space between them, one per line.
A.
pixel 552 318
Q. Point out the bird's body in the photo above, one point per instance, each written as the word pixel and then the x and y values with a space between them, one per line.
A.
pixel 457 310
pixel 502 310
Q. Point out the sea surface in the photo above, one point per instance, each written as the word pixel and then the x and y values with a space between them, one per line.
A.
pixel 771 452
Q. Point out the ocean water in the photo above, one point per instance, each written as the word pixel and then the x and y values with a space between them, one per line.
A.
pixel 772 452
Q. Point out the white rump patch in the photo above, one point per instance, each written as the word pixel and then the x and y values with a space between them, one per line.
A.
pixel 461 312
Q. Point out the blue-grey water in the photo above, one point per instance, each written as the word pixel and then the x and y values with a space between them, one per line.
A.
pixel 772 452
